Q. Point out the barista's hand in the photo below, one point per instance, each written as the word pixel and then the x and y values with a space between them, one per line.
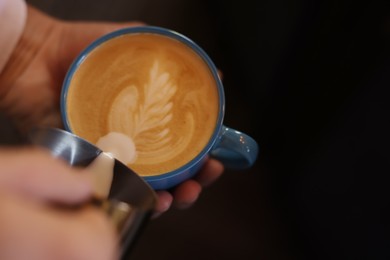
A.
pixel 185 194
pixel 31 182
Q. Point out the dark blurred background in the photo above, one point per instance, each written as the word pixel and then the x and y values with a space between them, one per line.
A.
pixel 309 80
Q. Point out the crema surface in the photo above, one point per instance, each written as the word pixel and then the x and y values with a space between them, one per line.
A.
pixel 147 99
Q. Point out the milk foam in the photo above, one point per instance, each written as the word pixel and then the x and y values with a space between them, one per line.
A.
pixel 143 115
pixel 103 171
pixel 118 145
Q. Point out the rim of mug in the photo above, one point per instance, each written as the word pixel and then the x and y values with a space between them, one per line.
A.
pixel 169 177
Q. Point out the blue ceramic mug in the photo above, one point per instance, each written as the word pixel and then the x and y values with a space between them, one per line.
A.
pixel 153 98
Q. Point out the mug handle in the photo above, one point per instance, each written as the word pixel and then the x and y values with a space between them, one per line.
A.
pixel 236 150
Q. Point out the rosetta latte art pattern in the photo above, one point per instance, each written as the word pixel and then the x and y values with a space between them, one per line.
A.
pixel 144 116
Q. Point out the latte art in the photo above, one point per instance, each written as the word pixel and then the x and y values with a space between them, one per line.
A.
pixel 147 99
pixel 145 117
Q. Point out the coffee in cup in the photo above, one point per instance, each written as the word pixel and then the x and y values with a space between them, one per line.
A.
pixel 152 98
pixel 148 92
